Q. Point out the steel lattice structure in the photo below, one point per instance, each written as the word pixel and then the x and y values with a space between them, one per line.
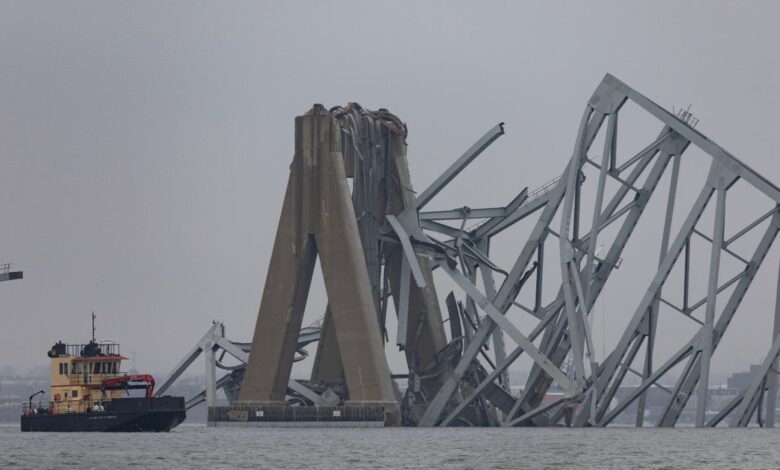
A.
pixel 463 378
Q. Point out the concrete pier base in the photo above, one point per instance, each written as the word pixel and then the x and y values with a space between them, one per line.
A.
pixel 362 415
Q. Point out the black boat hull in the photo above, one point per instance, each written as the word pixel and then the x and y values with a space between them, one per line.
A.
pixel 159 414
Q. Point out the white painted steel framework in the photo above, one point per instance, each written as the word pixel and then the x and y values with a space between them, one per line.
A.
pixel 463 379
pixel 590 387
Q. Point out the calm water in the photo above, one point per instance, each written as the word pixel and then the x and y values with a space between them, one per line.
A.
pixel 197 447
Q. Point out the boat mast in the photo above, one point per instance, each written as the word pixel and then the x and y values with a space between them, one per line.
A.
pixel 93 326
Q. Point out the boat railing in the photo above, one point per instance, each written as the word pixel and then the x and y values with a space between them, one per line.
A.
pixel 104 348
pixel 542 190
pixel 64 407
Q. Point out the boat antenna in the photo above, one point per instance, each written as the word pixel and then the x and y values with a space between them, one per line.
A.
pixel 93 326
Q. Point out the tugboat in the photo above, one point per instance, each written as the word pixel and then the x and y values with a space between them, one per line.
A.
pixel 89 393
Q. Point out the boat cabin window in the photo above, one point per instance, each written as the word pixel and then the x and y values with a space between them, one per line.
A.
pixel 66 395
pixel 115 367
pixel 75 394
pixel 60 368
pixel 96 368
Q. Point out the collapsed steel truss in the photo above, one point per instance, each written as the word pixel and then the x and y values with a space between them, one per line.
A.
pixel 464 379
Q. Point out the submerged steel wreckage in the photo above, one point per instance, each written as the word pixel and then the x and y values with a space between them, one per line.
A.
pixel 378 246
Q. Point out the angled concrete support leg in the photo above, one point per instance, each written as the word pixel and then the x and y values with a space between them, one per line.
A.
pixel 318 217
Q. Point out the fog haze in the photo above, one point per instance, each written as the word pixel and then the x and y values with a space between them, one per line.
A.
pixel 145 146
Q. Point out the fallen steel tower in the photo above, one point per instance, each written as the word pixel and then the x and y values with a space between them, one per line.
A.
pixel 377 243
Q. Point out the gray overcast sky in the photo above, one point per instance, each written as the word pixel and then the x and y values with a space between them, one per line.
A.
pixel 144 146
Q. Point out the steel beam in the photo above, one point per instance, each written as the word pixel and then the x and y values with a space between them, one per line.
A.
pixel 653 314
pixel 755 391
pixel 461 163
pixel 687 381
pixel 616 357
pixel 772 375
pixel 715 151
pixel 709 317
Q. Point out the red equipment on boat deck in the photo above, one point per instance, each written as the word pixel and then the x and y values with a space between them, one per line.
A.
pixel 130 382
